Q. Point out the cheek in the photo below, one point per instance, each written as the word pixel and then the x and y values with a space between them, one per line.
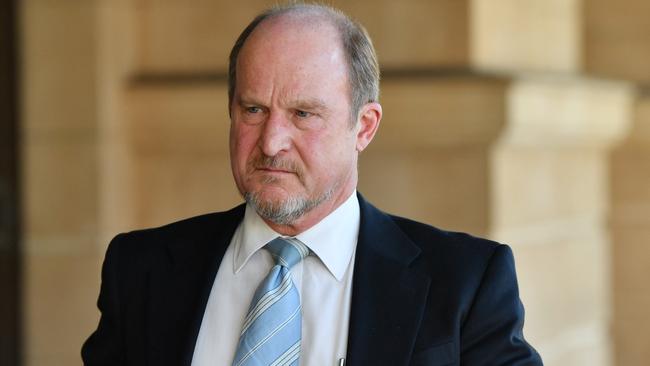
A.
pixel 326 155
pixel 243 140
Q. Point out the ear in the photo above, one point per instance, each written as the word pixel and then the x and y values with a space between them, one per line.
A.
pixel 368 122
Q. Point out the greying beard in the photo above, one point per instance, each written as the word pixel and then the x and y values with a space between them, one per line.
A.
pixel 284 212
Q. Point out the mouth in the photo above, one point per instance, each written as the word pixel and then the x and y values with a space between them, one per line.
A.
pixel 274 170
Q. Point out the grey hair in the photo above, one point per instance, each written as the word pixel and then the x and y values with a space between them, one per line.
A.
pixel 363 68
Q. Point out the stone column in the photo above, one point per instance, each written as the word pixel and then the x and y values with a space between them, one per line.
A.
pixel 630 225
pixel 60 175
pixel 617 44
pixel 550 201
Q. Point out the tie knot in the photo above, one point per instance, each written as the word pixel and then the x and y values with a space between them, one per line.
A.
pixel 287 251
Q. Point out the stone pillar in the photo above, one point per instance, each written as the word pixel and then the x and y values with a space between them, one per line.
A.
pixel 630 223
pixel 60 176
pixel 617 44
pixel 550 201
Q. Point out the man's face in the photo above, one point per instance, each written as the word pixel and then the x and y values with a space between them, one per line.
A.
pixel 291 142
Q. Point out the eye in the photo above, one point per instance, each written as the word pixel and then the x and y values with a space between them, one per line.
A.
pixel 302 114
pixel 251 114
pixel 253 110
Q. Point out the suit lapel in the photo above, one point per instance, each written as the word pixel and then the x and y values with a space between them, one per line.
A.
pixel 388 297
pixel 180 286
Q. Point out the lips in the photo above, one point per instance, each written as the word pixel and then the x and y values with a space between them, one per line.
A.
pixel 274 170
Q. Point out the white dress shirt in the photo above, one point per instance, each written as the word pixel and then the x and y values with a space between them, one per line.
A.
pixel 323 279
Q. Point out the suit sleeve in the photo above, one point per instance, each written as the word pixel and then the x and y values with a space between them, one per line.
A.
pixel 105 346
pixel 492 331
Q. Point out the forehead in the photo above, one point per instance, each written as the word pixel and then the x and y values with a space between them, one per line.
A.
pixel 290 50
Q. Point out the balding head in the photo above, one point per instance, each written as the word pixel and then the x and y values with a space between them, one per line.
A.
pixel 359 53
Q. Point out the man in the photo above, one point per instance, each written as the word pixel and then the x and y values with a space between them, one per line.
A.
pixel 306 271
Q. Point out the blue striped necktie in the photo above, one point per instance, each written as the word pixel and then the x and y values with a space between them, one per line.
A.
pixel 271 332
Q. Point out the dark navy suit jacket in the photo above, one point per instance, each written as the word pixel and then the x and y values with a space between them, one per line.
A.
pixel 421 296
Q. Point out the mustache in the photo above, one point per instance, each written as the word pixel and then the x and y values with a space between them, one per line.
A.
pixel 275 162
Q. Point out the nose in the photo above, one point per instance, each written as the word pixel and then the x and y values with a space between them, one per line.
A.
pixel 276 134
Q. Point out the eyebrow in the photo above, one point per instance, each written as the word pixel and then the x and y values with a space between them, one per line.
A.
pixel 306 104
pixel 310 104
pixel 243 101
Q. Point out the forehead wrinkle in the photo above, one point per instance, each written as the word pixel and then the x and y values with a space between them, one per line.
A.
pixel 256 94
pixel 292 99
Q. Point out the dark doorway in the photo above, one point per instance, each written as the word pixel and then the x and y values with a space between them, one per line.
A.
pixel 10 263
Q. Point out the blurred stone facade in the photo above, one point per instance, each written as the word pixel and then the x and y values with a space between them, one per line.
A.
pixel 527 121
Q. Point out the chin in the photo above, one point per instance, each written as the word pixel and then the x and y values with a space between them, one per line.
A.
pixel 282 209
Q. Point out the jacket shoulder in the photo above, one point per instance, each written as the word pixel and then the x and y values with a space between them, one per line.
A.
pixel 185 240
pixel 435 241
pixel 461 259
pixel 187 230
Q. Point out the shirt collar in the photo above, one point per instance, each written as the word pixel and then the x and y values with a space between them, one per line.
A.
pixel 333 239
